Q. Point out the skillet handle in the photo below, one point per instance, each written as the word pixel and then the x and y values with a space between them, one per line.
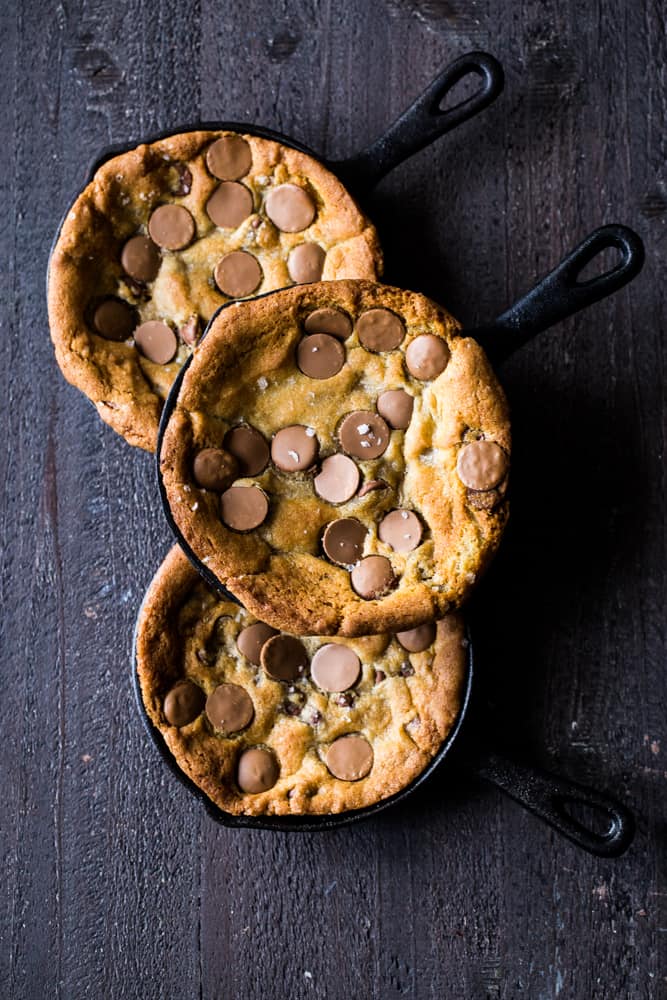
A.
pixel 424 121
pixel 561 294
pixel 548 796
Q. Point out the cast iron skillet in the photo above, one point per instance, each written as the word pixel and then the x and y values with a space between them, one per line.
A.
pixel 420 125
pixel 560 294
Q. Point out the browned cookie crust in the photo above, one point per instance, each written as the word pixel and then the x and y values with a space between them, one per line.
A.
pixel 398 711
pixel 128 378
pixel 445 474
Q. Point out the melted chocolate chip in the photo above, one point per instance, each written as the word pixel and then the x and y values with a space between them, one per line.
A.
pixel 372 485
pixel 426 356
pixel 229 709
pixel 189 332
pixel 401 529
pixel 290 208
pixel 416 640
pixel 481 465
pixel 335 667
pixel 140 258
pixel 337 480
pixel 243 508
pixel 284 658
pixel 171 227
pixel 114 320
pixel 295 448
pixel 305 263
pixel 237 274
pixel 249 447
pixel 251 639
pixel 229 205
pixel 343 541
pixel 373 577
pixel 320 356
pixel 184 180
pixel 396 405
pixel 229 158
pixel 215 469
pixel 364 434
pixel 350 757
pixel 332 321
pixel 257 770
pixel 183 703
pixel 380 330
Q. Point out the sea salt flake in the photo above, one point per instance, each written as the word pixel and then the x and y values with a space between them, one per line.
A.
pixel 262 382
pixel 310 432
pixel 294 455
pixel 363 429
pixel 365 444
pixel 404 515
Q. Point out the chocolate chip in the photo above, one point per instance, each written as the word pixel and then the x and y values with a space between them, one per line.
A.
pixel 290 208
pixel 249 447
pixel 294 448
pixel 373 577
pixel 379 676
pixel 257 770
pixel 335 667
pixel 229 158
pixel 426 356
pixel 284 658
pixel 171 227
pixel 305 263
pixel 291 708
pixel 140 258
pixel 407 670
pixel 243 507
pixel 114 320
pixel 481 465
pixel 229 205
pixel 332 321
pixel 183 180
pixel 396 405
pixel 345 700
pixel 380 330
pixel 183 703
pixel 251 639
pixel 189 332
pixel 320 356
pixel 215 469
pixel 364 434
pixel 337 480
pixel 350 757
pixel 371 485
pixel 229 709
pixel 237 274
pixel 343 541
pixel 138 288
pixel 313 717
pixel 416 640
pixel 401 529
pixel 156 341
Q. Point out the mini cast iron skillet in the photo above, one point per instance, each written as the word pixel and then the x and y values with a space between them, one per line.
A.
pixel 420 125
pixel 560 294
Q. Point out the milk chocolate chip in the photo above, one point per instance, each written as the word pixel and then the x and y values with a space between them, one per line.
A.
pixel 238 274
pixel 114 320
pixel 257 770
pixel 229 205
pixel 183 703
pixel 426 356
pixel 229 158
pixel 395 405
pixel 320 356
pixel 343 541
pixel 189 332
pixel 243 507
pixel 251 639
pixel 171 227
pixel 350 757
pixel 305 263
pixel 332 321
pixel 416 640
pixel 140 258
pixel 335 667
pixel 380 330
pixel 215 469
pixel 372 485
pixel 337 480
pixel 229 709
pixel 156 341
pixel 373 577
pixel 481 465
pixel 364 434
pixel 401 529
pixel 290 208
pixel 295 448
pixel 249 447
pixel 284 658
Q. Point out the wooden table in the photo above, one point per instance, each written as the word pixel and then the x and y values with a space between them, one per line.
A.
pixel 116 883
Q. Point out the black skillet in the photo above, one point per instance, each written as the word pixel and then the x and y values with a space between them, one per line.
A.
pixel 560 294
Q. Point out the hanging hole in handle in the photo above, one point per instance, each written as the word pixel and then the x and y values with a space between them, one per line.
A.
pixel 590 819
pixel 461 92
pixel 605 262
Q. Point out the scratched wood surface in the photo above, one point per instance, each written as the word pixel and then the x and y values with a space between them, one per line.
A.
pixel 115 882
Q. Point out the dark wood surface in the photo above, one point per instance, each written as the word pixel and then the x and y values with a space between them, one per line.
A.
pixel 116 884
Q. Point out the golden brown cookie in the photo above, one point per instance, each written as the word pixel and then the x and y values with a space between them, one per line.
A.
pixel 166 233
pixel 400 430
pixel 351 723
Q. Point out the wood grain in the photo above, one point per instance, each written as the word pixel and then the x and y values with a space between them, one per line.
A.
pixel 117 884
